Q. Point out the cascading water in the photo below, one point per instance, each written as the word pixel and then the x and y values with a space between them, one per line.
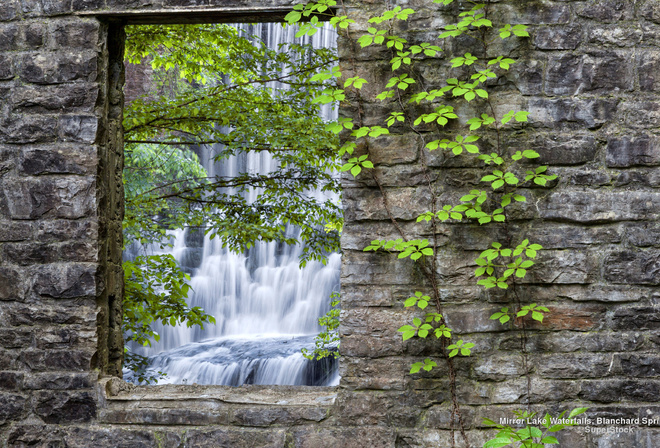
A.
pixel 266 307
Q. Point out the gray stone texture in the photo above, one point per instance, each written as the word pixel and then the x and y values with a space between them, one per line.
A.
pixel 590 76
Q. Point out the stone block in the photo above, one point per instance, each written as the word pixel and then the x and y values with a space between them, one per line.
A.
pixel 374 374
pixel 76 34
pixel 60 381
pixel 592 113
pixel 50 313
pixel 632 267
pixel 11 284
pixel 360 268
pixel 65 407
pixel 528 75
pixel 615 36
pixel 87 5
pixel 35 8
pixel 649 71
pixel 57 360
pixel 40 68
pixel 12 407
pixel 633 151
pixel 638 179
pixel 570 74
pixel 60 159
pixel 562 267
pixel 29 130
pixel 62 197
pixel 229 438
pixel 497 368
pixel 573 366
pixel 9 10
pixel 558 149
pixel 404 203
pixel 9 34
pixel 640 318
pixel 607 10
pixel 266 416
pixel 573 237
pixel 6 67
pixel 393 149
pixel 66 280
pixel 643 235
pixel 566 37
pixel 15 338
pixel 537 12
pixel 650 10
pixel 15 231
pixel 66 230
pixel 640 365
pixel 602 206
pixel 59 98
pixel 345 438
pixel 75 128
pixel 641 114
pixel 11 381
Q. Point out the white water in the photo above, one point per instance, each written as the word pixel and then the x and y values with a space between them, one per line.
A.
pixel 266 307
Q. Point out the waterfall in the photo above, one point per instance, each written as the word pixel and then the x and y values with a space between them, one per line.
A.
pixel 266 307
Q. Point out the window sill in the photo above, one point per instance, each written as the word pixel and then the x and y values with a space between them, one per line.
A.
pixel 259 406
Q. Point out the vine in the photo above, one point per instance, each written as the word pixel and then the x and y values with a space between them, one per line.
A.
pixel 503 264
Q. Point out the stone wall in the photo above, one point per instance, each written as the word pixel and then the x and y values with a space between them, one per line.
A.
pixel 587 74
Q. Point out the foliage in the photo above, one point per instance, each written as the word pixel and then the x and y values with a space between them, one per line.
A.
pixel 244 114
pixel 216 86
pixel 156 290
pixel 506 177
pixel 327 342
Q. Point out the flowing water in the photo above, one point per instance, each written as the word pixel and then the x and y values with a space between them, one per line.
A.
pixel 266 307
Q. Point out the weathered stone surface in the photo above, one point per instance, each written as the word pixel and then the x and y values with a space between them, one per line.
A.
pixel 32 8
pixel 627 151
pixel 225 438
pixel 633 267
pixel 64 281
pixel 589 206
pixel 60 381
pixel 11 285
pixel 8 36
pixel 49 69
pixel 50 197
pixel 65 407
pixel 571 74
pixel 348 438
pixel 58 98
pixel 28 130
pixel 615 36
pixel 12 407
pixel 59 160
pixel 591 114
pixel 577 366
pixel 607 10
pixel 639 318
pixel 643 235
pixel 558 37
pixel 649 62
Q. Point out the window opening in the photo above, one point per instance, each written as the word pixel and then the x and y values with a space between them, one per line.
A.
pixel 230 187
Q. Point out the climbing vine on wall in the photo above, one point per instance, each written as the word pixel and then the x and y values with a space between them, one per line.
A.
pixel 446 124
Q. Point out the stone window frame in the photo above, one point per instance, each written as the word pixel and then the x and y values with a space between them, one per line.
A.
pixel 298 403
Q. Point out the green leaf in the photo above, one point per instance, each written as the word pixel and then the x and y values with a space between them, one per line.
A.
pixel 577 411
